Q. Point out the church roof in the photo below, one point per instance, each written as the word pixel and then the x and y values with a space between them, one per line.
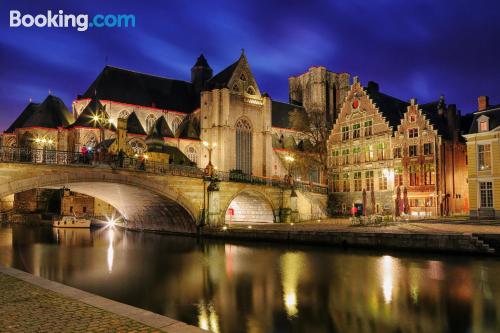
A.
pixel 134 126
pixel 280 113
pixel 85 118
pixel 125 86
pixel 51 113
pixel 201 61
pixel 222 78
pixel 189 128
pixel 391 107
pixel 161 129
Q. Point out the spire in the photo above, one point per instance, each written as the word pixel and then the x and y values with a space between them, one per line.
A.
pixel 200 73
pixel 201 62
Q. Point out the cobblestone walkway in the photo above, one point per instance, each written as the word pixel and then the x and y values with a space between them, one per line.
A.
pixel 28 308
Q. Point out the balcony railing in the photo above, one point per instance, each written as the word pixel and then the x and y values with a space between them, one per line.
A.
pixel 56 157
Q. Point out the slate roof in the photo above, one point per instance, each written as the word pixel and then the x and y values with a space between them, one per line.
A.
pixel 493 114
pixel 390 107
pixel 161 129
pixel 121 85
pixel 222 78
pixel 134 126
pixel 94 108
pixel 440 122
pixel 280 113
pixel 51 113
pixel 189 129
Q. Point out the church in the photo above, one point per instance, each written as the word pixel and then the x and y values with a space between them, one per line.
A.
pixel 245 130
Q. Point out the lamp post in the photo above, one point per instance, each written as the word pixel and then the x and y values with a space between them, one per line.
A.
pixel 208 177
pixel 289 160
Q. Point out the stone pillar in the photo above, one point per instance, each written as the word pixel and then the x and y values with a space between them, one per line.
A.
pixel 288 211
pixel 214 214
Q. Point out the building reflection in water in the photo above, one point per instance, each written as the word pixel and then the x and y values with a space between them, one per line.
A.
pixel 292 264
pixel 262 288
pixel 111 251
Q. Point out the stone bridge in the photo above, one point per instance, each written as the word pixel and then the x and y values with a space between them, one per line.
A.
pixel 166 201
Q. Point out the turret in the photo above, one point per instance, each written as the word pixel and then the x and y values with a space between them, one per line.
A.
pixel 200 73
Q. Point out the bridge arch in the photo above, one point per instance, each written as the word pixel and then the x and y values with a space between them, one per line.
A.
pixel 144 203
pixel 250 206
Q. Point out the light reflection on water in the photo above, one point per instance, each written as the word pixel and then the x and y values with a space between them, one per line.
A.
pixel 232 288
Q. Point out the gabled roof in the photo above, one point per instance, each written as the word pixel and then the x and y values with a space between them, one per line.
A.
pixel 86 117
pixel 134 126
pixel 280 113
pixel 51 113
pixel 391 107
pixel 493 114
pixel 189 128
pixel 125 86
pixel 222 78
pixel 161 129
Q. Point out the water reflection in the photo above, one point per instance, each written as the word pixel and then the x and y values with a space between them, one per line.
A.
pixel 233 288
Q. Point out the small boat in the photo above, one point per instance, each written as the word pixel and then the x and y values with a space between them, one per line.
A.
pixel 71 222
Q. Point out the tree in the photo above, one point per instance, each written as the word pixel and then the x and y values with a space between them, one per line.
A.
pixel 313 130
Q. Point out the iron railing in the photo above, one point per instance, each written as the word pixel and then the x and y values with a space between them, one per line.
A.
pixel 57 157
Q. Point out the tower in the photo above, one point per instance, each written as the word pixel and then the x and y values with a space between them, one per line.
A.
pixel 320 90
pixel 200 73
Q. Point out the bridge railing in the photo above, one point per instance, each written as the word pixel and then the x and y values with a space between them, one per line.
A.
pixel 57 157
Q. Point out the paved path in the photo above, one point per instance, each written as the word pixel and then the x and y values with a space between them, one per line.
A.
pixel 32 304
pixel 432 227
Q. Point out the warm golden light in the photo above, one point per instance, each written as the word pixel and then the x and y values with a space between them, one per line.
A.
pixel 111 251
pixel 292 266
pixel 289 158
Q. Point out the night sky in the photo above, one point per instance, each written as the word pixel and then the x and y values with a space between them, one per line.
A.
pixel 411 48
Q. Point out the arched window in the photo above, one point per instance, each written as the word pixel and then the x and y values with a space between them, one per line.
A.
pixel 150 122
pixel 236 88
pixel 175 124
pixel 243 77
pixel 244 146
pixel 250 90
pixel 123 114
pixel 192 154
pixel 90 140
pixel 137 146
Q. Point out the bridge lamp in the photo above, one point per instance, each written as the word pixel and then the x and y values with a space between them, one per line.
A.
pixel 145 156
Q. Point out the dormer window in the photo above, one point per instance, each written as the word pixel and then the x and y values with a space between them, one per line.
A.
pixel 483 124
pixel 250 91
pixel 243 77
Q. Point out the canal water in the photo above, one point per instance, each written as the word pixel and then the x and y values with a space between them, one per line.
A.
pixel 257 288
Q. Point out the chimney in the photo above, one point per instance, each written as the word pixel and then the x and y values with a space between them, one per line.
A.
pixel 373 86
pixel 482 103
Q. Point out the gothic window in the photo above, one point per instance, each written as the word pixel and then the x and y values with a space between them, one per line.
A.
pixel 90 140
pixel 244 146
pixel 192 154
pixel 175 124
pixel 150 122
pixel 243 77
pixel 250 90
pixel 236 88
pixel 137 146
pixel 123 114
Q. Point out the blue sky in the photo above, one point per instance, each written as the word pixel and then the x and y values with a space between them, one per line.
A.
pixel 411 48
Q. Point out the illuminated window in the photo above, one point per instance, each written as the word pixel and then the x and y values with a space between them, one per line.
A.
pixel 414 178
pixel 369 153
pixel 244 146
pixel 346 182
pixel 356 152
pixel 356 131
pixel 486 194
pixel 483 126
pixel 369 180
pixel 345 133
pixel 345 156
pixel 412 150
pixel 413 133
pixel 380 151
pixel 484 156
pixel 368 128
pixel 398 177
pixel 357 181
pixel 123 114
pixel 429 175
pixel 137 146
pixel 427 148
pixel 382 181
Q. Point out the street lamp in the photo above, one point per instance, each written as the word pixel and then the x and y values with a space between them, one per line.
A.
pixel 209 169
pixel 289 160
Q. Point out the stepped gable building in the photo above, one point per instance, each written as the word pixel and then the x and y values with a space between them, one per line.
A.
pixel 387 156
pixel 483 151
pixel 121 107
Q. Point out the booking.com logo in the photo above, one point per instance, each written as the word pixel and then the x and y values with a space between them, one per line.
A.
pixel 61 20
